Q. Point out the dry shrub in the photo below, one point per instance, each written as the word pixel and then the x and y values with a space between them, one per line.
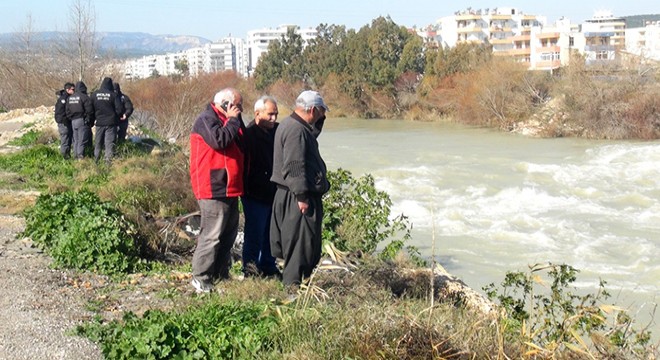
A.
pixel 643 114
pixel 286 93
pixel 611 103
pixel 381 309
pixel 496 93
pixel 379 104
pixel 169 105
pixel 340 102
pixel 148 190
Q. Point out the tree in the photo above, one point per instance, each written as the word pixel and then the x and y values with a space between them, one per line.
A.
pixel 82 30
pixel 386 41
pixel 283 60
pixel 412 57
pixel 325 54
pixel 182 67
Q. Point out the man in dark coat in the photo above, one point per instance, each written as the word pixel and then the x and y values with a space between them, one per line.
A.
pixel 107 110
pixel 123 119
pixel 301 177
pixel 79 109
pixel 63 121
pixel 259 190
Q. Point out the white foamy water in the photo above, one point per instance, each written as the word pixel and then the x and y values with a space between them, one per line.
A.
pixel 497 202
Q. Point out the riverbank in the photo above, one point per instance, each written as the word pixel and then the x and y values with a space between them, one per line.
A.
pixel 375 298
pixel 40 306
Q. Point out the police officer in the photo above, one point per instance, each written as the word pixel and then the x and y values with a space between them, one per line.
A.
pixel 63 121
pixel 81 112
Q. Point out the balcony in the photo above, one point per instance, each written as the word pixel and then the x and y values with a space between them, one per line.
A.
pixel 599 48
pixel 469 29
pixel 548 49
pixel 547 65
pixel 550 35
pixel 521 38
pixel 500 41
pixel 468 17
pixel 499 29
pixel 519 51
pixel 599 34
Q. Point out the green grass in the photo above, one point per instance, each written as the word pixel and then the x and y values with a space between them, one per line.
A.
pixel 39 166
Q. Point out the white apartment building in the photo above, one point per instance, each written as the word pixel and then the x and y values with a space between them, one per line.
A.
pixel 545 48
pixel 644 41
pixel 605 37
pixel 258 41
pixel 494 26
pixel 225 54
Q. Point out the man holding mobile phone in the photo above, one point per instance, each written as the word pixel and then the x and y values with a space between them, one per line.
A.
pixel 216 174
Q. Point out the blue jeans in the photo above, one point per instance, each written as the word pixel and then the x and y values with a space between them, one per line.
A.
pixel 256 245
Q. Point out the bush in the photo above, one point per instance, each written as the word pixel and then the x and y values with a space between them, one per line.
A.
pixel 213 330
pixel 81 232
pixel 357 217
pixel 559 321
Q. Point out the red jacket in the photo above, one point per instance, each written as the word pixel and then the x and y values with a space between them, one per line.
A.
pixel 216 155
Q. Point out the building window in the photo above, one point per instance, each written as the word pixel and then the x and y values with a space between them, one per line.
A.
pixel 602 55
pixel 550 56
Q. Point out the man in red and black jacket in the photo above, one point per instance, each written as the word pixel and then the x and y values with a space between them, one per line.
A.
pixel 216 174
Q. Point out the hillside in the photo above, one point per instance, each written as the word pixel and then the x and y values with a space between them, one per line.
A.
pixel 635 21
pixel 120 44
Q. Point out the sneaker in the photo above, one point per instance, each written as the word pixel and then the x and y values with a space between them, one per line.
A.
pixel 201 286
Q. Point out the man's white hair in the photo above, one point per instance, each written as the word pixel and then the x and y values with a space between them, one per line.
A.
pixel 261 103
pixel 223 95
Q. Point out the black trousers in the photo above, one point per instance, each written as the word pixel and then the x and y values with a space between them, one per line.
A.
pixel 296 237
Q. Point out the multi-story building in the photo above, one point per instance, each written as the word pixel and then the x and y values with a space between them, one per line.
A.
pixel 225 54
pixel 548 48
pixel 605 37
pixel 258 41
pixel 492 26
pixel 644 42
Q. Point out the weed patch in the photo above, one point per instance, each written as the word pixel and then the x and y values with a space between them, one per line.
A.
pixel 81 232
pixel 562 320
pixel 208 330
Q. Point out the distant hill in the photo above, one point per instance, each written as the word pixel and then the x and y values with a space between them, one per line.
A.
pixel 636 21
pixel 119 44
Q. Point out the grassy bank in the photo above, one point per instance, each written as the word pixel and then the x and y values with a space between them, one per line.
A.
pixel 120 224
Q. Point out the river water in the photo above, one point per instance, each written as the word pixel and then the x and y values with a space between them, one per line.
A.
pixel 494 202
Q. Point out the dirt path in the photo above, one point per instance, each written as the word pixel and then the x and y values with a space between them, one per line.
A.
pixel 37 307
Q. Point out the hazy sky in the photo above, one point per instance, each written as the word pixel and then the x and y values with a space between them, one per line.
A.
pixel 217 19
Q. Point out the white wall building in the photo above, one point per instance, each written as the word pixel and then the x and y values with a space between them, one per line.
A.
pixel 494 26
pixel 225 54
pixel 644 41
pixel 258 41
pixel 605 37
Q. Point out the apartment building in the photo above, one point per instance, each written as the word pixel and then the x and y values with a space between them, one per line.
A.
pixel 226 54
pixel 493 26
pixel 605 37
pixel 511 33
pixel 644 42
pixel 258 41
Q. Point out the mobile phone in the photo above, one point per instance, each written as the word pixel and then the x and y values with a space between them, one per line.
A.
pixel 224 105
